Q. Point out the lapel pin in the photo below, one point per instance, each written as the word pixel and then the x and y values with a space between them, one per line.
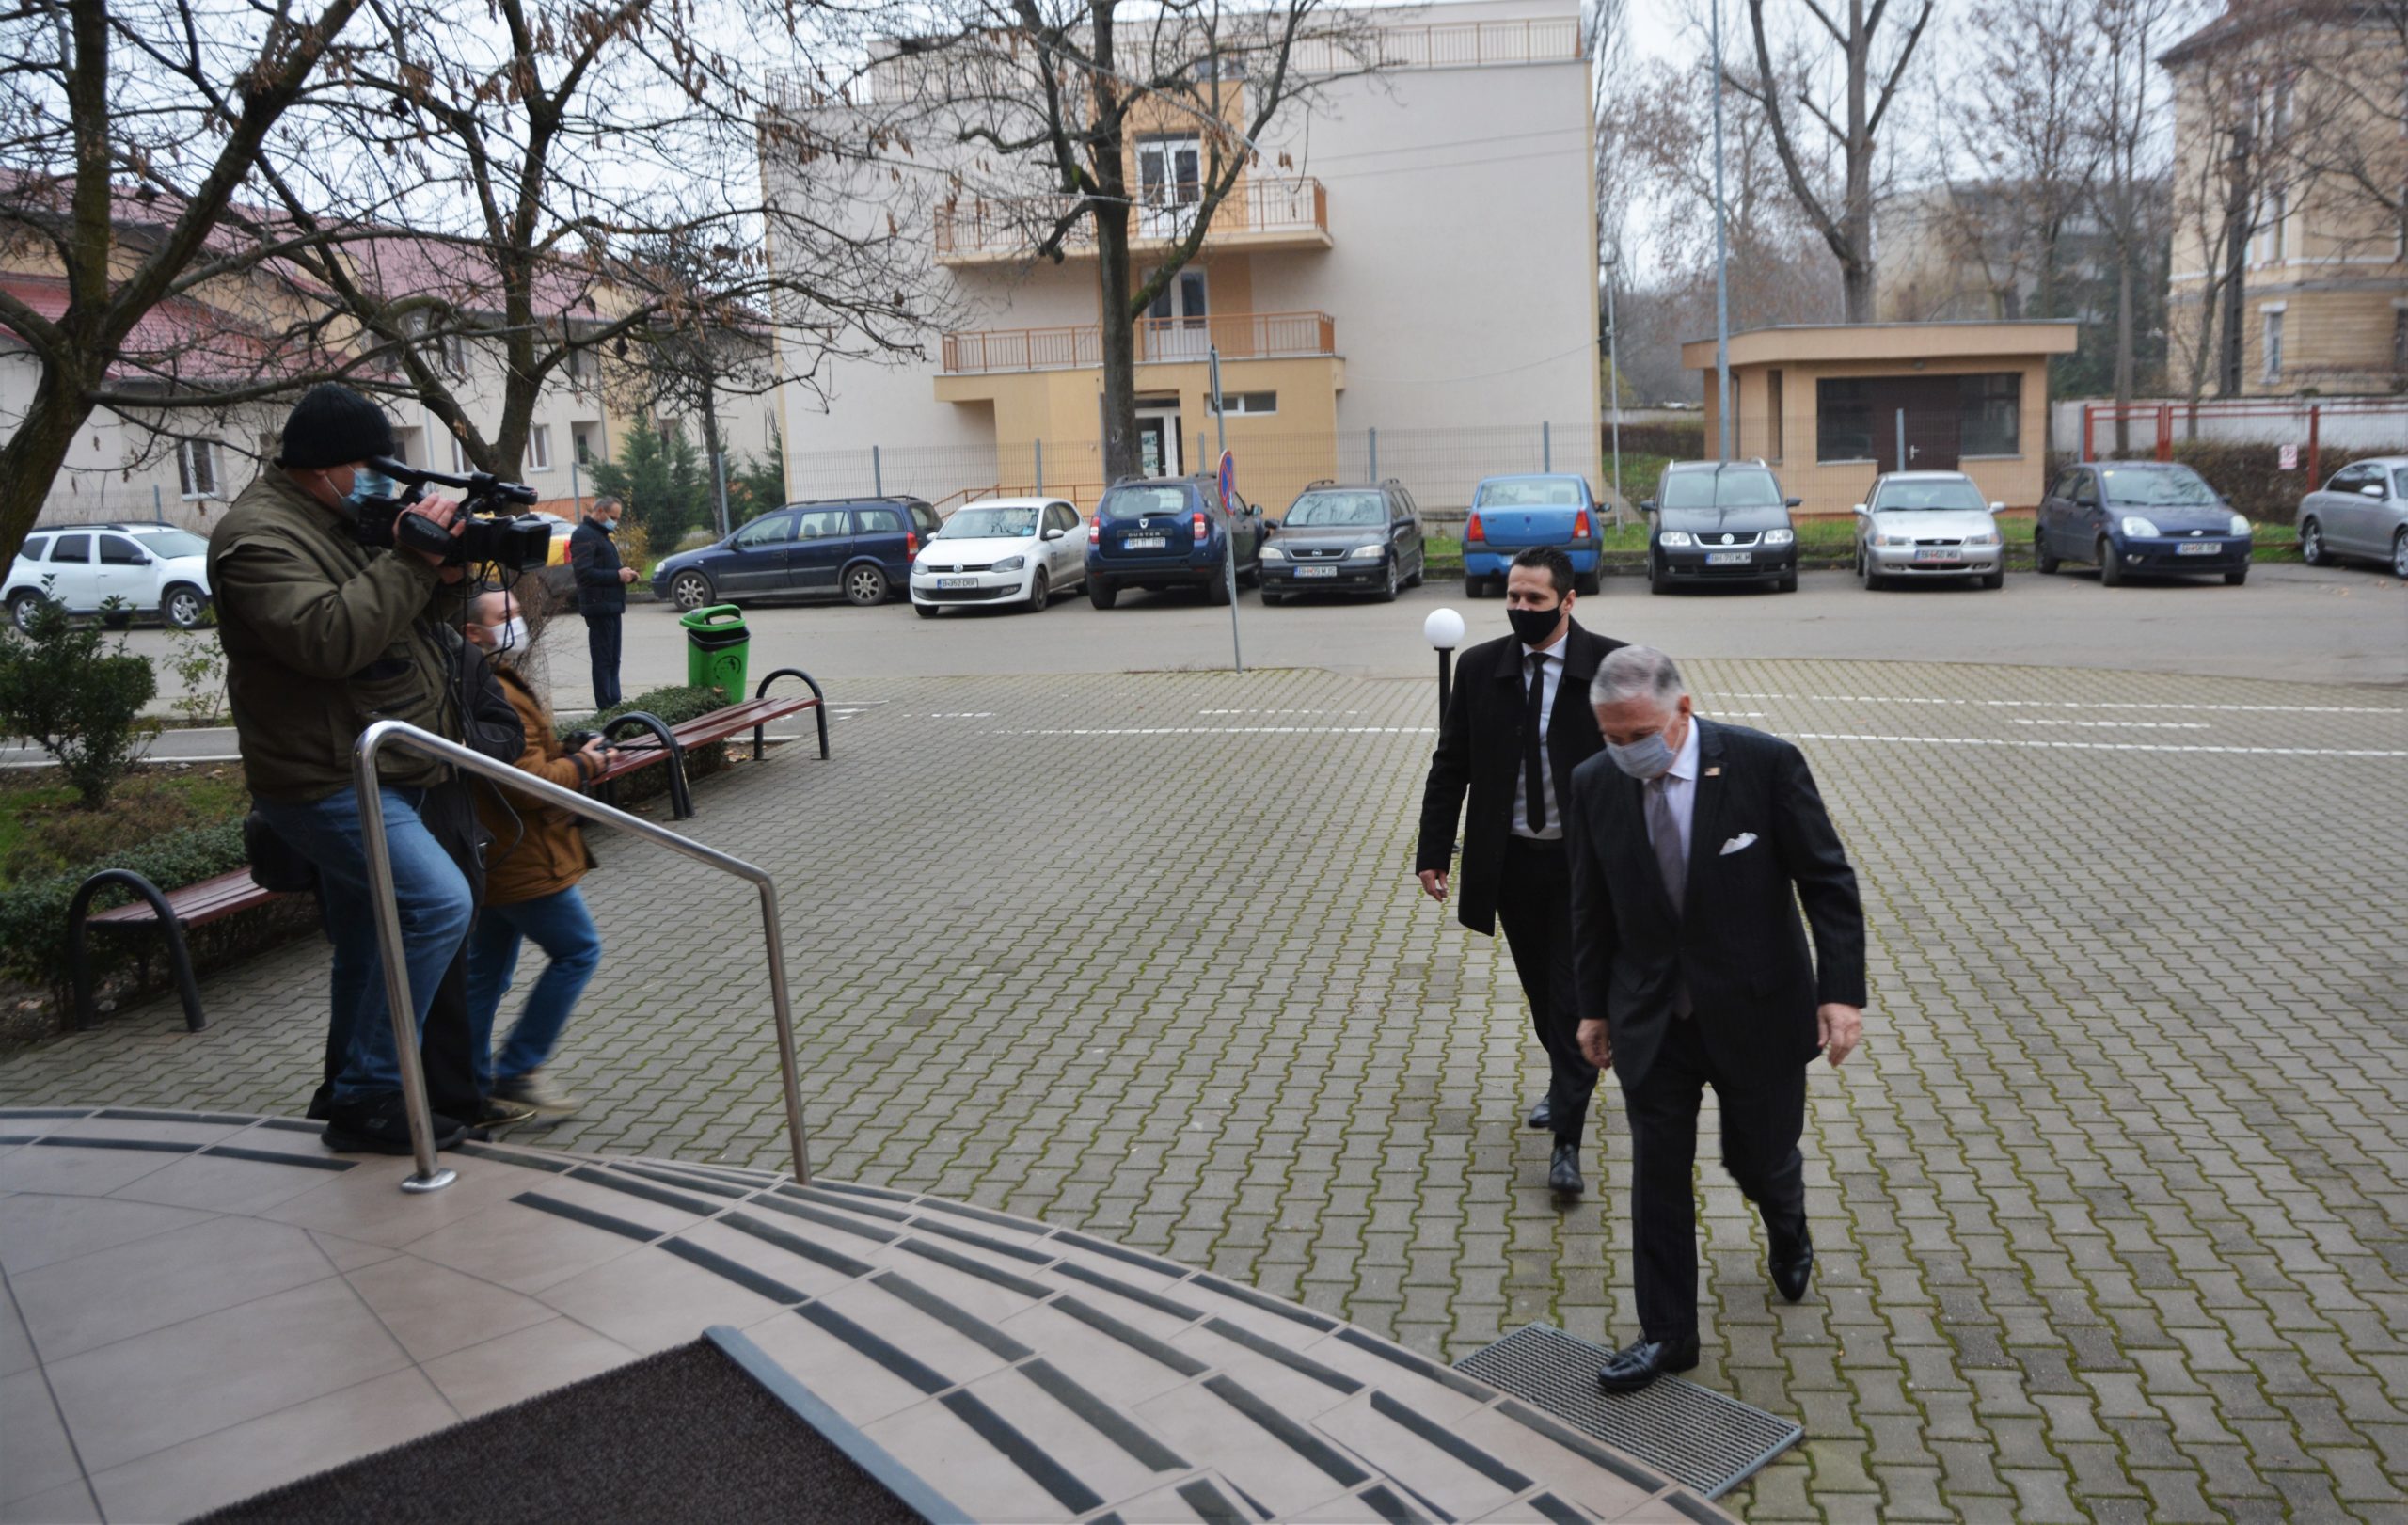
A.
pixel 1714 772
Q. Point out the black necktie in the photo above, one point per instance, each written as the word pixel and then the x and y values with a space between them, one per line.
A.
pixel 1534 740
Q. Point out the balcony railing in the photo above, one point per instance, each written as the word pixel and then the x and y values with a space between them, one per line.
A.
pixel 1261 209
pixel 1242 336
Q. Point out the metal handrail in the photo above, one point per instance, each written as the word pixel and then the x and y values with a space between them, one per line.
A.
pixel 373 742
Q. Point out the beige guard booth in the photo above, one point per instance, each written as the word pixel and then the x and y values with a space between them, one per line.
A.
pixel 1831 407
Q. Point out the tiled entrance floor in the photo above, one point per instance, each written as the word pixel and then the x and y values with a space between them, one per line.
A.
pixel 200 1306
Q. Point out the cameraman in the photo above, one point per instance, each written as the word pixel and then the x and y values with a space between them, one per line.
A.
pixel 601 592
pixel 325 635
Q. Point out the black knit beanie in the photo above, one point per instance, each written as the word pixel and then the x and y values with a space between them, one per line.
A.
pixel 333 425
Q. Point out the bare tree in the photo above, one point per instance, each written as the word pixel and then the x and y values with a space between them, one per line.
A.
pixel 695 352
pixel 165 105
pixel 497 189
pixel 2127 128
pixel 1779 270
pixel 1852 122
pixel 1067 87
pixel 2348 142
pixel 2021 114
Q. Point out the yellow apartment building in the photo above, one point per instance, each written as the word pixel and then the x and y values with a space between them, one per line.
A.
pixel 2296 114
pixel 1410 253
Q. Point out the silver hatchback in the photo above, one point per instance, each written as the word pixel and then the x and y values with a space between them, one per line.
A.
pixel 2363 511
pixel 1924 525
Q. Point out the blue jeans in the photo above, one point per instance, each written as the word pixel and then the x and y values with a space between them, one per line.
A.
pixel 557 923
pixel 435 903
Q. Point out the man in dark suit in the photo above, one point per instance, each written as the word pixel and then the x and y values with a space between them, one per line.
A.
pixel 1518 724
pixel 1693 844
pixel 601 593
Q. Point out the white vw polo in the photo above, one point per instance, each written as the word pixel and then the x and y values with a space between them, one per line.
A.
pixel 1000 550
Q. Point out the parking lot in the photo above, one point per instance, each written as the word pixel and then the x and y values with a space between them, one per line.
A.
pixel 2109 1210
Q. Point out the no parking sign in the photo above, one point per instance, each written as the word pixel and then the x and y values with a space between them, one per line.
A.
pixel 1229 477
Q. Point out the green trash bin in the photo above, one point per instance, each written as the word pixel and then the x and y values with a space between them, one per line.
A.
pixel 717 647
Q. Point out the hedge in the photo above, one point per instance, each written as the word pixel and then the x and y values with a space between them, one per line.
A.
pixel 1677 441
pixel 33 914
pixel 2250 475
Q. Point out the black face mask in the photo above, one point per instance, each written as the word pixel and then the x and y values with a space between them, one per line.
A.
pixel 1534 624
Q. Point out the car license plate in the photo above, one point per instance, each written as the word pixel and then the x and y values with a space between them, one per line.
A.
pixel 2197 547
pixel 1142 542
pixel 948 584
pixel 1729 558
pixel 1316 571
pixel 1936 553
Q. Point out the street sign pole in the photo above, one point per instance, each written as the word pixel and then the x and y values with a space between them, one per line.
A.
pixel 1228 481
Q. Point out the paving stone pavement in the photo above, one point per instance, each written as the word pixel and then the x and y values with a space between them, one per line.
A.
pixel 2109 1210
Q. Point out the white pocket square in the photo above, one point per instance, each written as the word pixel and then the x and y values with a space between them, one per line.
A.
pixel 1738 843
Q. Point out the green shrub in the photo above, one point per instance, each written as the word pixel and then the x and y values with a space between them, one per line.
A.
pixel 60 688
pixel 2252 475
pixel 33 915
pixel 675 706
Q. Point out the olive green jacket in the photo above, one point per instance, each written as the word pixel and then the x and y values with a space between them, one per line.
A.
pixel 324 636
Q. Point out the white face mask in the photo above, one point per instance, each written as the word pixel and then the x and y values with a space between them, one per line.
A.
pixel 509 635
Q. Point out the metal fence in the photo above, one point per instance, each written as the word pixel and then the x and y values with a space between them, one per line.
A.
pixel 1439 467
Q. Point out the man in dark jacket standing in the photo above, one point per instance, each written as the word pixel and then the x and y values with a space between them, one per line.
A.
pixel 1518 723
pixel 1693 845
pixel 324 636
pixel 601 593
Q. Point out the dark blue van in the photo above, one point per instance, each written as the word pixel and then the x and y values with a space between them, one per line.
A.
pixel 1161 532
pixel 856 549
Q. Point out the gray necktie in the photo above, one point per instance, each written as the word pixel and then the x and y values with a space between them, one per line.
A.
pixel 1666 833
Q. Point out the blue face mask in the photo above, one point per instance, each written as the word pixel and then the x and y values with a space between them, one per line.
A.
pixel 365 485
pixel 1645 758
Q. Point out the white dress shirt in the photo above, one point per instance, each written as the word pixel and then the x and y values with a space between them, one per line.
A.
pixel 1551 678
pixel 1680 788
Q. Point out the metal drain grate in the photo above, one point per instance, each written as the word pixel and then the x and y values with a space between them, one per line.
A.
pixel 1708 1441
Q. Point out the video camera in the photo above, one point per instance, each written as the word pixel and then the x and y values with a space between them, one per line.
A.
pixel 494 531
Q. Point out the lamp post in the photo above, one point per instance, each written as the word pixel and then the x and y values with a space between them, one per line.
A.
pixel 1444 631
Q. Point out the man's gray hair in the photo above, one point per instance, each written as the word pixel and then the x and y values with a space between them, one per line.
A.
pixel 1636 672
pixel 605 501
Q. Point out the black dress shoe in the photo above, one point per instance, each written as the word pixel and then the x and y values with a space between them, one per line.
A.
pixel 1541 1117
pixel 1635 1366
pixel 1791 1264
pixel 1563 1170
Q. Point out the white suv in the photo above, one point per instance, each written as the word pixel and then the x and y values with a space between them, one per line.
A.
pixel 149 568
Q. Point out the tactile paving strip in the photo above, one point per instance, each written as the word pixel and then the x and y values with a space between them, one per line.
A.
pixel 1706 1440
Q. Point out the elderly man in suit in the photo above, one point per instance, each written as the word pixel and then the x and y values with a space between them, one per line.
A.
pixel 1693 845
pixel 1518 724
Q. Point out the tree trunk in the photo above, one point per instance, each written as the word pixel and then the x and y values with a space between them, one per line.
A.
pixel 2124 333
pixel 33 455
pixel 1119 341
pixel 714 461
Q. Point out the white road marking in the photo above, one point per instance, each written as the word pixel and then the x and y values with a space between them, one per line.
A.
pixel 1230 730
pixel 2092 746
pixel 2069 704
pixel 2125 725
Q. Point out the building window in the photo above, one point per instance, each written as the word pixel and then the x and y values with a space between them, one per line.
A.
pixel 2274 346
pixel 459 458
pixel 2400 340
pixel 2278 235
pixel 1773 413
pixel 539 448
pixel 197 468
pixel 405 446
pixel 455 355
pixel 1170 171
pixel 1989 411
pixel 1250 402
pixel 581 440
pixel 1843 420
pixel 580 366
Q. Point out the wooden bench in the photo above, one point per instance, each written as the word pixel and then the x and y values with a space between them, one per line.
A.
pixel 170 911
pixel 663 743
pixel 215 899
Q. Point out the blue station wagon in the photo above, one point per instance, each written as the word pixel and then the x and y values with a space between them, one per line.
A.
pixel 858 549
pixel 1509 514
